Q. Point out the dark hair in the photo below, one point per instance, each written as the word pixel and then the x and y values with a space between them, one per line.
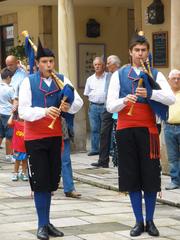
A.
pixel 138 39
pixel 5 73
pixel 136 43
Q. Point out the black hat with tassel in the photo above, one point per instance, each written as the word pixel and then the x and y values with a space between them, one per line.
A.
pixel 43 52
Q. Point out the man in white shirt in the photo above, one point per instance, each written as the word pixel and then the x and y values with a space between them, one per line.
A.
pixel 95 91
pixel 113 64
pixel 172 132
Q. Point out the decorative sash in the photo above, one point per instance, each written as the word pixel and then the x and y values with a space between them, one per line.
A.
pixel 143 116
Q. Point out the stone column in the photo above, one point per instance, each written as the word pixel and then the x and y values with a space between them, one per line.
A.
pixel 174 47
pixel 68 63
pixel 66 40
pixel 45 25
pixel 138 14
pixel 175 34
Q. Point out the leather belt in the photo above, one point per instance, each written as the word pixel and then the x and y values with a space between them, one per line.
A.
pixel 174 124
pixel 100 104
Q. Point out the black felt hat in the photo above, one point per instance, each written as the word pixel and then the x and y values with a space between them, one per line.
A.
pixel 43 52
pixel 138 38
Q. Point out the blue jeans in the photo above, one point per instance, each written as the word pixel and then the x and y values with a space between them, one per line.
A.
pixel 95 117
pixel 172 138
pixel 5 131
pixel 66 171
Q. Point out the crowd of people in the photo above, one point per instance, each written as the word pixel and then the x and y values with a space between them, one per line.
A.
pixel 37 123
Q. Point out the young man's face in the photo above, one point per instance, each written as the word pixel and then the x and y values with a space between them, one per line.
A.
pixel 139 51
pixel 46 64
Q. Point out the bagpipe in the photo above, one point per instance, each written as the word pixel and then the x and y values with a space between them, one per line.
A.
pixel 147 80
pixel 147 73
pixel 67 91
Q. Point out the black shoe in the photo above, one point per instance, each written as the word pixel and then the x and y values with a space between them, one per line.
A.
pixel 93 153
pixel 151 229
pixel 73 194
pixel 53 231
pixel 97 164
pixel 137 229
pixel 42 233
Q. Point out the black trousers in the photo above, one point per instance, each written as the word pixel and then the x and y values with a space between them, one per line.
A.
pixel 136 170
pixel 44 163
pixel 105 137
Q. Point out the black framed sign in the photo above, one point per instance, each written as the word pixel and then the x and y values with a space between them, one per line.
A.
pixel 86 53
pixel 160 49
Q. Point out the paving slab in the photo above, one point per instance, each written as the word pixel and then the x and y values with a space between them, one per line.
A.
pixel 107 178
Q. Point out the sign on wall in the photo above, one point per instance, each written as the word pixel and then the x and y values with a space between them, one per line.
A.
pixel 9 32
pixel 86 54
pixel 160 49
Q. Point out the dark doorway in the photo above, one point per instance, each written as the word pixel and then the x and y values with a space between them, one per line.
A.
pixel 6 42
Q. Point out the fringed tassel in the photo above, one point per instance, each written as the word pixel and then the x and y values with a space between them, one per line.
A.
pixel 154 146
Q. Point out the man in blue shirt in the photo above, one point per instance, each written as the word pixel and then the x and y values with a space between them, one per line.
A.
pixel 19 73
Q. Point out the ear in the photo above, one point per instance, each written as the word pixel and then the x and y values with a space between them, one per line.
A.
pixel 130 52
pixel 8 79
pixel 37 63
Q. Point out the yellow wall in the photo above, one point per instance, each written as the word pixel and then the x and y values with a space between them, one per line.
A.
pixel 166 26
pixel 113 33
pixel 113 22
pixel 27 19
pixel 113 26
pixel 175 35
pixel 55 32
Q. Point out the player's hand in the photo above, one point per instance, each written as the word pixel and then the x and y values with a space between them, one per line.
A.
pixel 141 92
pixel 52 112
pixel 130 98
pixel 65 106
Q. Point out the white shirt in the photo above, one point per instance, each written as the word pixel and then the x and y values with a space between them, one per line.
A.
pixel 95 88
pixel 31 114
pixel 174 110
pixel 115 104
pixel 6 97
pixel 17 79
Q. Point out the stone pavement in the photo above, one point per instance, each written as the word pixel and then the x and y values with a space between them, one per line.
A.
pixel 108 178
pixel 100 214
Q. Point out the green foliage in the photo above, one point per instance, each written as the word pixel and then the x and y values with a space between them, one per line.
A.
pixel 18 51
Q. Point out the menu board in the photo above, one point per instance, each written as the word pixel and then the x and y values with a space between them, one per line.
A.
pixel 160 49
